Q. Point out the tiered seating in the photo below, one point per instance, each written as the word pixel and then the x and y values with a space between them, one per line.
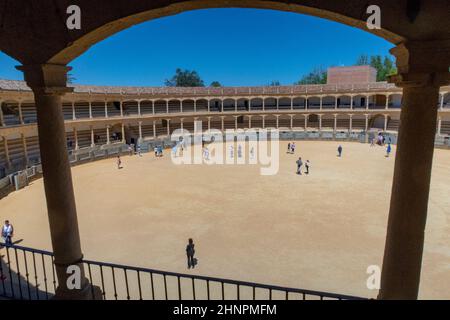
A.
pixel 229 123
pixel 98 109
pixel 113 109
pixel 188 106
pixel 445 127
pixel 343 123
pixel 270 104
pixel 284 122
pixel 202 105
pixel 393 125
pixel 160 106
pixel 270 122
pixel 84 138
pixel 29 113
pixel 67 111
pixel 327 122
pixel 216 123
pixel 100 137
pixel 359 123
pixel 147 131
pixel 16 153
pixel 146 107
pixel 130 108
pixel 82 110
pixel 160 130
pixel 33 150
pixel 298 122
pixel 174 106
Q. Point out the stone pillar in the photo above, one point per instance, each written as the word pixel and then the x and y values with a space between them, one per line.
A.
pixel 442 101
pixel 351 102
pixel 90 110
pixel 278 103
pixel 321 102
pixel 336 102
pixel 48 83
pixel 75 136
pixel 278 120
pixel 235 105
pixel 181 106
pixel 367 122
pixel 235 123
pixel 140 130
pixel 181 123
pixel 439 126
pixel 249 122
pixel 209 105
pixel 123 133
pixel 292 121
pixel 20 113
pixel 385 122
pixel 108 141
pixel 422 69
pixel 263 104
pixel 106 109
pixel 306 121
pixel 74 115
pixel 121 108
pixel 153 107
pixel 167 106
pixel 387 101
pixel 25 149
pixel 367 102
pixel 195 105
pixel 263 121
pixel 139 108
pixel 168 127
pixel 223 124
pixel 320 122
pixel 154 129
pixel 92 136
pixel 292 103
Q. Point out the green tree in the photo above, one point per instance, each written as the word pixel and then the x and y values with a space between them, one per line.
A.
pixel 185 78
pixel 385 66
pixel 317 76
pixel 215 84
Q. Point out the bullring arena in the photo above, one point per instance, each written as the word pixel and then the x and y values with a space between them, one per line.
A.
pixel 322 233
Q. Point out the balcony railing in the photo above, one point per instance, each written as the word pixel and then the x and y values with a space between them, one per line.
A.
pixel 29 274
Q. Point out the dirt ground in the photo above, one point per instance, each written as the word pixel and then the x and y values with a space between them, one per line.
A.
pixel 319 231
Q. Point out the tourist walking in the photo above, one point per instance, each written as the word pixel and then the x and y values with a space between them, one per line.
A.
pixel 307 165
pixel 388 150
pixel 339 151
pixel 289 147
pixel 190 252
pixel 7 233
pixel 299 166
pixel 293 147
pixel 119 162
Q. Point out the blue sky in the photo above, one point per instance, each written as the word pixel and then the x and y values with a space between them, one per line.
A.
pixel 233 46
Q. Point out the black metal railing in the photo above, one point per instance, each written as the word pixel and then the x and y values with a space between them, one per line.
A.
pixel 29 274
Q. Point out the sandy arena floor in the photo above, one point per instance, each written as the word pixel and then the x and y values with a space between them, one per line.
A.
pixel 317 232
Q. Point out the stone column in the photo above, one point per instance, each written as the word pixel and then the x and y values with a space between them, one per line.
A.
pixel 442 101
pixel 48 83
pixel 320 122
pixel 74 115
pixel 20 113
pixel 367 122
pixel 107 135
pixel 278 120
pixel 168 127
pixel 167 106
pixel 90 110
pixel 387 101
pixel 181 123
pixel 195 105
pixel 223 124
pixel 235 105
pixel 292 121
pixel 263 121
pixel 336 102
pixel 422 69
pixel 121 108
pixel 75 136
pixel 278 103
pixel 263 104
pixel 106 109
pixel 367 102
pixel 249 122
pixel 351 102
pixel 321 102
pixel 181 106
pixel 92 137
pixel 292 103
pixel 235 123
pixel 154 129
pixel 153 107
pixel 123 133
pixel 140 130
pixel 209 105
pixel 439 126
pixel 306 121
pixel 385 122
pixel 139 108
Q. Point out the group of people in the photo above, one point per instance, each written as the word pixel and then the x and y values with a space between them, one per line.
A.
pixel 291 148
pixel 158 151
pixel 300 165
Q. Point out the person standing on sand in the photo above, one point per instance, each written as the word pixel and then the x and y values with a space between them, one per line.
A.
pixel 289 147
pixel 190 252
pixel 307 165
pixel 339 151
pixel 119 162
pixel 7 233
pixel 299 166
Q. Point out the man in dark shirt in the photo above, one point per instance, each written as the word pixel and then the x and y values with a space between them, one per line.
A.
pixel 190 252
